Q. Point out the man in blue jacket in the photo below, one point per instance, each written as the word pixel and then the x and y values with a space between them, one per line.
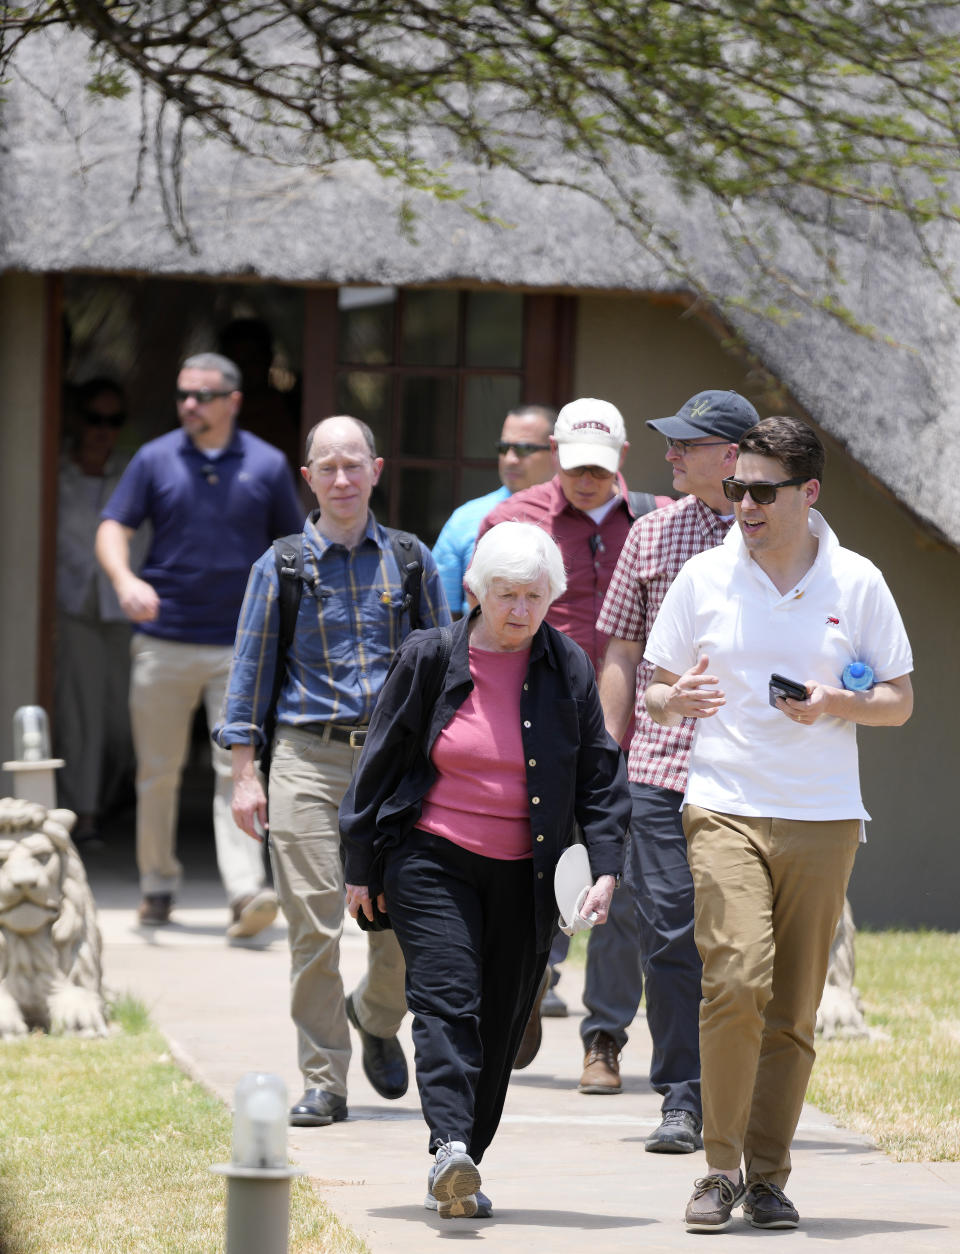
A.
pixel 523 459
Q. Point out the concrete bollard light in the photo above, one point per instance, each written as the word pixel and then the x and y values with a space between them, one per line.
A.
pixel 258 1178
pixel 32 767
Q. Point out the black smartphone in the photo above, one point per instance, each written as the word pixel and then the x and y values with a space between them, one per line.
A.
pixel 780 686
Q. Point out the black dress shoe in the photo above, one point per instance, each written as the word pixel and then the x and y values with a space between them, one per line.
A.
pixel 317 1108
pixel 383 1062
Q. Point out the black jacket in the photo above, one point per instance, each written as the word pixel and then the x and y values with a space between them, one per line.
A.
pixel 575 770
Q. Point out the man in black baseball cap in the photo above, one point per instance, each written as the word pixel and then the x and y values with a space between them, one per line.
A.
pixel 702 449
pixel 726 414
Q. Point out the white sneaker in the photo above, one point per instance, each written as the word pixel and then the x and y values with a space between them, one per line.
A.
pixel 453 1183
pixel 484 1207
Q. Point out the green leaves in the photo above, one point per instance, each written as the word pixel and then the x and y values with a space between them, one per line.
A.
pixel 749 103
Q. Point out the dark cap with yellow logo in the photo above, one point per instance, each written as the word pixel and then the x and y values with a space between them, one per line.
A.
pixel 724 414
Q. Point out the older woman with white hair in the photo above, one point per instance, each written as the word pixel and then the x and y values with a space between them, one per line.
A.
pixel 485 749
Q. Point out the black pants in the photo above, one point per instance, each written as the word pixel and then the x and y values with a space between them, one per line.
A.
pixel 466 927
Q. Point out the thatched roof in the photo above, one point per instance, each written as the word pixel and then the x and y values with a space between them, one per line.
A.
pixel 68 165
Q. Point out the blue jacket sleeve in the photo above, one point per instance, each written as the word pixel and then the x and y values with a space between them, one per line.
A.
pixel 254 659
pixel 448 552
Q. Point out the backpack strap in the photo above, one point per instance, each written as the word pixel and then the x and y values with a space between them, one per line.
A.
pixel 288 557
pixel 641 503
pixel 409 559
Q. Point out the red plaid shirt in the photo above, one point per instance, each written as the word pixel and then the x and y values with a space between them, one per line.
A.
pixel 656 548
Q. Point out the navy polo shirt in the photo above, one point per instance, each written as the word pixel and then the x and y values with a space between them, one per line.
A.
pixel 212 518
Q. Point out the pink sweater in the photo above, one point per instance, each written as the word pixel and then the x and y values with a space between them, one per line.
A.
pixel 479 799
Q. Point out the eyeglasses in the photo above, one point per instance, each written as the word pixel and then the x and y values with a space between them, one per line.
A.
pixel 93 419
pixel 521 450
pixel 595 472
pixel 684 446
pixel 762 493
pixel 350 469
pixel 203 396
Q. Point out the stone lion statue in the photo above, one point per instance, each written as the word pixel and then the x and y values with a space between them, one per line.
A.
pixel 841 1012
pixel 50 974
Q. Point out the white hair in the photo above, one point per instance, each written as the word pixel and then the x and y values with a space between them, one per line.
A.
pixel 520 552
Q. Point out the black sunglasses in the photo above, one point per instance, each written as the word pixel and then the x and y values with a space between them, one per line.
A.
pixel 203 396
pixel 93 419
pixel 521 450
pixel 762 493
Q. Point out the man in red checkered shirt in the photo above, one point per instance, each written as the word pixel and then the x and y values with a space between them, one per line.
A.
pixel 702 449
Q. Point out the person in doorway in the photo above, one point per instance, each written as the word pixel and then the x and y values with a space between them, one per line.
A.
pixel 92 722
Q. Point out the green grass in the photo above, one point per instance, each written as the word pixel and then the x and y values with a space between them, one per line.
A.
pixel 902 1087
pixel 106 1145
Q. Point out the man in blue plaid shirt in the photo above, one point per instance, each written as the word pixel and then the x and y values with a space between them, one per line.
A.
pixel 350 622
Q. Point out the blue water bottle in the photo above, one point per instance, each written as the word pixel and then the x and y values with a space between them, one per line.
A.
pixel 857 676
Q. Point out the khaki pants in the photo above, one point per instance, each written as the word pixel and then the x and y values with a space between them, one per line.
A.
pixel 307 782
pixel 768 895
pixel 168 680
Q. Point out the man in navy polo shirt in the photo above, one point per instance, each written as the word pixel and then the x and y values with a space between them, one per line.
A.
pixel 216 496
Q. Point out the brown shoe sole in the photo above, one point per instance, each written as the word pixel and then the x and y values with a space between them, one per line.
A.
pixel 532 1037
pixel 601 1090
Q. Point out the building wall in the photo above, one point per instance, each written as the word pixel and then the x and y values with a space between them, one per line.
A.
pixel 22 322
pixel 647 359
pixel 908 871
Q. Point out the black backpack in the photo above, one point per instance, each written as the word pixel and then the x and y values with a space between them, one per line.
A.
pixel 288 555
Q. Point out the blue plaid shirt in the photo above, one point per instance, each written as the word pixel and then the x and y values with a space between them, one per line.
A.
pixel 348 628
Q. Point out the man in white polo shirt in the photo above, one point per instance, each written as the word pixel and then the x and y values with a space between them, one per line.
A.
pixel 772 810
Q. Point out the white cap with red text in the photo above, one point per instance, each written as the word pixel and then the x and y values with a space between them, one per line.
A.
pixel 589 432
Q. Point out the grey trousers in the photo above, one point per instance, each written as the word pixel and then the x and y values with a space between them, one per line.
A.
pixel 307 783
pixel 92 717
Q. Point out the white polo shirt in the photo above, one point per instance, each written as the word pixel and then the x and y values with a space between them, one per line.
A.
pixel 749 758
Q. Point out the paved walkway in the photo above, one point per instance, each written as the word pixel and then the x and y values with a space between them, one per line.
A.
pixel 566 1172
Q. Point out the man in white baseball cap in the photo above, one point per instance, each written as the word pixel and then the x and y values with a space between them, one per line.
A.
pixel 590 432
